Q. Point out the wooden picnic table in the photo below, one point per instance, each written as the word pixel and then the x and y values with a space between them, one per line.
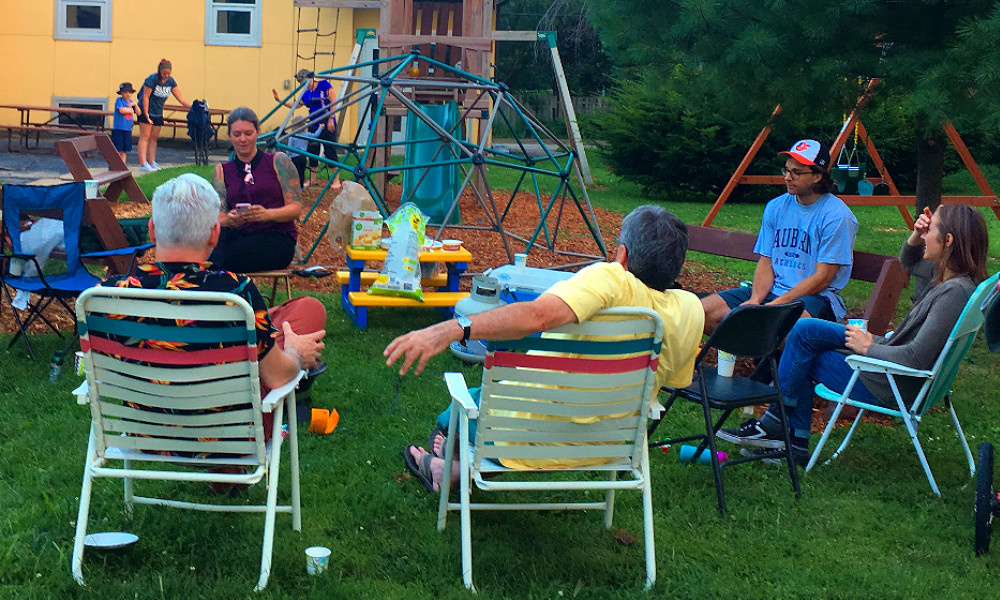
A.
pixel 47 119
pixel 217 118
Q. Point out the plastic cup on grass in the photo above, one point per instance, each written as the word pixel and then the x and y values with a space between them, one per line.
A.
pixel 317 559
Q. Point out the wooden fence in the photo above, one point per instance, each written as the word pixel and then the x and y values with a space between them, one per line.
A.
pixel 548 108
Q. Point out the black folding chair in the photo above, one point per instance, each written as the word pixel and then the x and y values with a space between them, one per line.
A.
pixel 747 331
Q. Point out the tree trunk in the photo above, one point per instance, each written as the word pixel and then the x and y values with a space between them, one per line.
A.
pixel 930 172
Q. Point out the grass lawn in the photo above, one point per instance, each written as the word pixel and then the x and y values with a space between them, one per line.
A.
pixel 868 527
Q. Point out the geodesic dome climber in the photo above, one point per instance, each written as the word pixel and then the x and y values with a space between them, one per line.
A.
pixel 445 117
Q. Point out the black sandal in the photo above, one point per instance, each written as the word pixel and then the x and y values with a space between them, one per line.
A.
pixel 421 471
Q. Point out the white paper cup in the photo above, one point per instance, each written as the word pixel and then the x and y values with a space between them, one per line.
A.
pixel 317 559
pixel 451 245
pixel 726 364
pixel 90 186
pixel 520 260
pixel 861 324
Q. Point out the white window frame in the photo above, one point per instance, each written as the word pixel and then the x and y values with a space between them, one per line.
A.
pixel 64 32
pixel 213 38
pixel 95 102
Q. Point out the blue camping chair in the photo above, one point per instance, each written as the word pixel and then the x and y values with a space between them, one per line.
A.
pixel 67 202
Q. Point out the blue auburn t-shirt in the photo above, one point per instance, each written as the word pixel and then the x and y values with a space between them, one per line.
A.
pixel 797 237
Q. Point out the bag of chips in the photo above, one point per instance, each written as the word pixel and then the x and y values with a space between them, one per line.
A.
pixel 400 274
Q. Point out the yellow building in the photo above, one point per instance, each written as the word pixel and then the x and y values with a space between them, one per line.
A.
pixel 228 52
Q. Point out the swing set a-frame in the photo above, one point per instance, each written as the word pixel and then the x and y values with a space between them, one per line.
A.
pixel 891 195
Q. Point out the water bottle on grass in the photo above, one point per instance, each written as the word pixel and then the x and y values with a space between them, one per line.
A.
pixel 55 368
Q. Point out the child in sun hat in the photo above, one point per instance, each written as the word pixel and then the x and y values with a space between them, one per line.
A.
pixel 125 113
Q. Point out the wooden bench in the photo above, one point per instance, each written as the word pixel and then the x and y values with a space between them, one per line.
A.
pixel 117 178
pixel 24 133
pixel 883 271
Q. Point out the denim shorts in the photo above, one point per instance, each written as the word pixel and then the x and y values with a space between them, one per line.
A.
pixel 817 306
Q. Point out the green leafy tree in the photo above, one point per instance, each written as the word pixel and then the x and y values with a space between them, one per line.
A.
pixel 528 66
pixel 815 59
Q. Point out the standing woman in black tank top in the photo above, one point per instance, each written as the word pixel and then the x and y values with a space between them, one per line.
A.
pixel 261 201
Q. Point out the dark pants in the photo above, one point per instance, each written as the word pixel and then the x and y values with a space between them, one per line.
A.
pixel 249 252
pixel 814 353
pixel 300 165
pixel 325 140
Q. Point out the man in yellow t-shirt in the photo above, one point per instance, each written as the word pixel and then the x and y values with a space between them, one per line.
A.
pixel 651 250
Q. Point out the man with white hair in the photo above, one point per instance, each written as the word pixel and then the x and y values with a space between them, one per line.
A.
pixel 185 227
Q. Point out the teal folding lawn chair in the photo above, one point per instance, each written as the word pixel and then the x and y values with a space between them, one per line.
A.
pixel 936 387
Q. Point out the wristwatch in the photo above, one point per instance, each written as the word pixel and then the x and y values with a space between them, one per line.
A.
pixel 466 324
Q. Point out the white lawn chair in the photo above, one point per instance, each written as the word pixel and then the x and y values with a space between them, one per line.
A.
pixel 201 408
pixel 578 395
pixel 937 385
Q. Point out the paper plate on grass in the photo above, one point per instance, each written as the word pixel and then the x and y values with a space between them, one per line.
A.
pixel 109 540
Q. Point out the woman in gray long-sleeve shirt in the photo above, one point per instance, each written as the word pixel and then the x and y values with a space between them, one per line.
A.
pixel 954 246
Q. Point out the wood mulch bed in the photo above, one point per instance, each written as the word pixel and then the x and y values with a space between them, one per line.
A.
pixel 522 216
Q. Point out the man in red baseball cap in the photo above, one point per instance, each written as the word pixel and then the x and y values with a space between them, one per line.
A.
pixel 805 243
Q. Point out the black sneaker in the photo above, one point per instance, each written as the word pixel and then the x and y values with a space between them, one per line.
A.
pixel 800 454
pixel 759 433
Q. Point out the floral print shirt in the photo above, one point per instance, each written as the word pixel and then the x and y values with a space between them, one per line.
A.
pixel 200 277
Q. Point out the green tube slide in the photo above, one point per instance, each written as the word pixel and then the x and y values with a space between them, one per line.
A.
pixel 432 188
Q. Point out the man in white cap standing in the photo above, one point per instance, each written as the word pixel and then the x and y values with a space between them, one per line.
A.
pixel 805 243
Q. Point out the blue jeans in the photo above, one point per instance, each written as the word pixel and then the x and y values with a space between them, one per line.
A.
pixel 813 353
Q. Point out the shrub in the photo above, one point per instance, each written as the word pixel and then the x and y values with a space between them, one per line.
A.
pixel 656 135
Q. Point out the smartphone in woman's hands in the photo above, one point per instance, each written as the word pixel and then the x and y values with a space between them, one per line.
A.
pixel 243 207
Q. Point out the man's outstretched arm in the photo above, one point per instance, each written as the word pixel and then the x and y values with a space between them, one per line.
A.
pixel 507 322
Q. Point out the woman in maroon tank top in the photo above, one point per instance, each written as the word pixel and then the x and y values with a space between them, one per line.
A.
pixel 261 201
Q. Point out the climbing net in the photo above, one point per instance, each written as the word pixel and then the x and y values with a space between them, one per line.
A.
pixel 540 159
pixel 305 30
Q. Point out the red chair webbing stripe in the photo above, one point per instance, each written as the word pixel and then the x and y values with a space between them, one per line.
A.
pixel 172 357
pixel 569 364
